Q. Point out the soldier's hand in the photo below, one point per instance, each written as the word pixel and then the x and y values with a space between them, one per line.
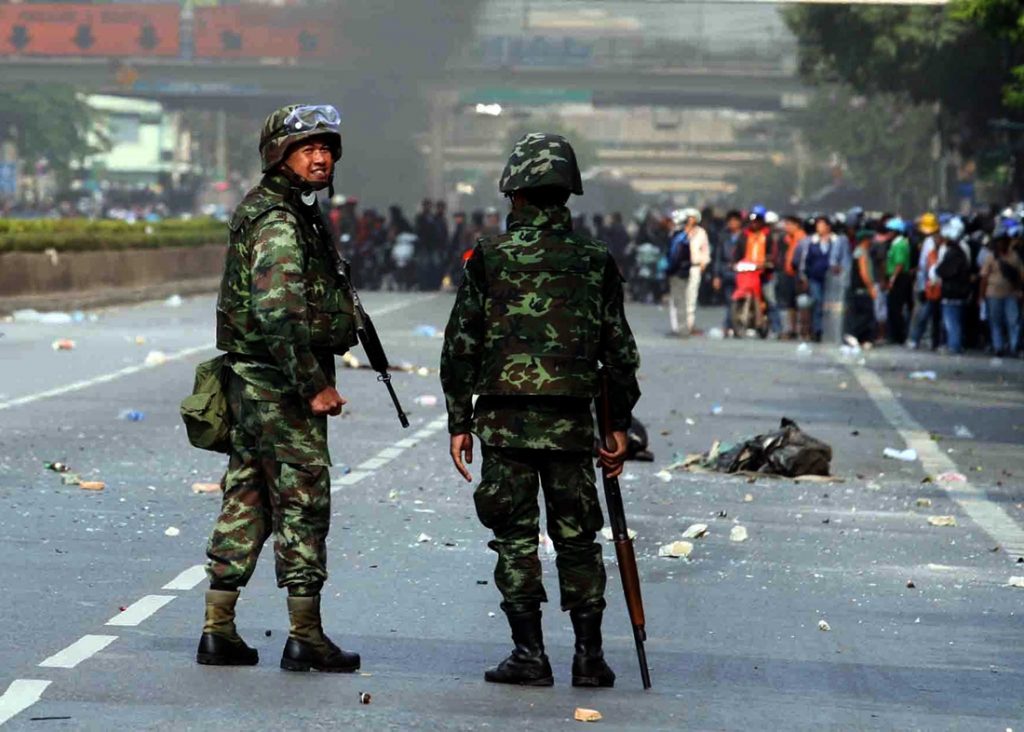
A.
pixel 612 460
pixel 328 401
pixel 462 446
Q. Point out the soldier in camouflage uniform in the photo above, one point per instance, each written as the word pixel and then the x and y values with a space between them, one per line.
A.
pixel 281 318
pixel 538 310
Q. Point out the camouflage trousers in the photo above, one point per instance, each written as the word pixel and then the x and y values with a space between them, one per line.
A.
pixel 277 482
pixel 506 503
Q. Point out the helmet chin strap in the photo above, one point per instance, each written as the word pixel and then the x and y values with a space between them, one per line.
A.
pixel 305 186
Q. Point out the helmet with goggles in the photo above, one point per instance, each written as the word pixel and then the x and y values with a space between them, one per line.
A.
pixel 297 122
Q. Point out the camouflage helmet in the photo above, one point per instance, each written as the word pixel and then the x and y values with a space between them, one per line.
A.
pixel 294 123
pixel 541 159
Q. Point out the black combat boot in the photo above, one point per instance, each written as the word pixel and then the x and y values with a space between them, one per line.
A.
pixel 307 647
pixel 220 644
pixel 527 665
pixel 588 664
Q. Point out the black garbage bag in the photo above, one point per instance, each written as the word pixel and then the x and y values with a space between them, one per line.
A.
pixel 788 451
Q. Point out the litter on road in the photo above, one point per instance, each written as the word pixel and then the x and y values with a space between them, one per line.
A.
pixel 695 531
pixel 962 430
pixel 424 538
pixel 206 487
pixel 587 715
pixel 738 533
pixel 606 532
pixel 908 456
pixel 174 301
pixel 131 415
pixel 172 531
pixel 426 400
pixel 427 331
pixel 1016 581
pixel 824 626
pixel 676 550
pixel 365 698
pixel 664 476
pixel 951 477
pixel 922 376
pixel 788 451
pixel 63 344
pixel 155 358
pixel 942 520
pixel 92 485
pixel 923 503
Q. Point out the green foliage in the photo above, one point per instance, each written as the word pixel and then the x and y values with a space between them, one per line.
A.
pixel 49 121
pixel 1003 19
pixel 36 235
pixel 884 143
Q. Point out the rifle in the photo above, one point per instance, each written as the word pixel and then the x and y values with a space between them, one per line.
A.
pixel 628 571
pixel 365 330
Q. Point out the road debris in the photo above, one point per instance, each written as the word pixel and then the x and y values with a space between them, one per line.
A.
pixel 942 520
pixel 748 498
pixel 962 430
pixel 583 714
pixel 606 532
pixel 91 485
pixel 1016 581
pixel 908 456
pixel 804 349
pixel 664 476
pixel 716 409
pixel 738 533
pixel 63 344
pixel 427 331
pixel 951 477
pixel 174 301
pixel 922 376
pixel 695 531
pixel 923 503
pixel 172 531
pixel 788 451
pixel 131 415
pixel 910 584
pixel 676 550
pixel 365 698
pixel 424 538
pixel 57 467
pixel 206 487
pixel 350 361
pixel 155 358
pixel 824 626
pixel 426 400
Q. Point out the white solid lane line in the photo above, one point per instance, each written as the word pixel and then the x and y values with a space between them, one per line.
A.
pixel 372 464
pixel 187 579
pixel 20 695
pixel 140 610
pixel 176 356
pixel 407 443
pixel 81 649
pixel 389 453
pixel 101 379
pixel 991 517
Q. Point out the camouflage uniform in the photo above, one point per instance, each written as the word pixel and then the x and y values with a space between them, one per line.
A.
pixel 539 308
pixel 281 318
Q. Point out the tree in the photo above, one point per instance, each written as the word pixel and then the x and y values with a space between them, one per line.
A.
pixel 48 122
pixel 1004 19
pixel 940 55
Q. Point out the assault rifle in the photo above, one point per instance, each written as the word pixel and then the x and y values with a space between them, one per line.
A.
pixel 628 571
pixel 365 330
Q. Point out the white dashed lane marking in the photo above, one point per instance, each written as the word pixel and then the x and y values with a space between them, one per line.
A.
pixel 990 516
pixel 187 579
pixel 81 649
pixel 390 453
pixel 140 610
pixel 20 695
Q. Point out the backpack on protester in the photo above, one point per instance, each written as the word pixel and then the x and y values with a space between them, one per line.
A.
pixel 679 256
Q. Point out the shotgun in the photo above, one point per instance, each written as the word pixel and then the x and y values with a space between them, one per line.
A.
pixel 628 571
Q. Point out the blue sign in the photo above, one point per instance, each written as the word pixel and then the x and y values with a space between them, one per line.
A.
pixel 8 179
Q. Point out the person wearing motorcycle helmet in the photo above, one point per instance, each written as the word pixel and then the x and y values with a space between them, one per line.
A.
pixel 283 313
pixel 559 295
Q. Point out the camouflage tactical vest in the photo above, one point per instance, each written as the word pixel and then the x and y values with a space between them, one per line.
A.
pixel 330 307
pixel 543 308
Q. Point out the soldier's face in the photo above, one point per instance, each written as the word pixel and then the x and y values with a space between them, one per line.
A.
pixel 312 160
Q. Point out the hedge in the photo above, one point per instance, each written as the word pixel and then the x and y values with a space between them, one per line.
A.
pixel 36 235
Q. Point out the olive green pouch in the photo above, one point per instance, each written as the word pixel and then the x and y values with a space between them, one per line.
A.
pixel 205 412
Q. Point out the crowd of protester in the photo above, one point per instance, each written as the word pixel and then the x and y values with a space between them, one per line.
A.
pixel 939 280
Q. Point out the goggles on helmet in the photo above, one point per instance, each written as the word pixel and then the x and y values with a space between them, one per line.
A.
pixel 309 117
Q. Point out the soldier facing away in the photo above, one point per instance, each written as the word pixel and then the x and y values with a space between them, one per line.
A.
pixel 538 310
pixel 281 318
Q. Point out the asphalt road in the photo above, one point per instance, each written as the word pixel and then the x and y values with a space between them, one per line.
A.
pixel 734 638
